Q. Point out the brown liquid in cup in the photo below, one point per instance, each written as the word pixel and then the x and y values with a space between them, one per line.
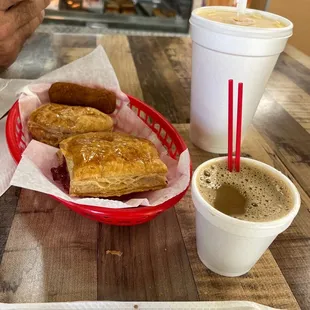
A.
pixel 248 19
pixel 253 194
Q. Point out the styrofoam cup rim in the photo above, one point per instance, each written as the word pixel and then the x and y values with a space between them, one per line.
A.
pixel 242 223
pixel 237 30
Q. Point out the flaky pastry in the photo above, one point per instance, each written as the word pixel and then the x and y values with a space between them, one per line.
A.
pixel 52 123
pixel 105 164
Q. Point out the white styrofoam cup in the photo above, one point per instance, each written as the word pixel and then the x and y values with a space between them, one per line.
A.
pixel 229 246
pixel 221 52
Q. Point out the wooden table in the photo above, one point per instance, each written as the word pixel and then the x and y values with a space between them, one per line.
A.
pixel 49 253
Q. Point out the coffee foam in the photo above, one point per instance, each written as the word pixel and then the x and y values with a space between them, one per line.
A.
pixel 267 197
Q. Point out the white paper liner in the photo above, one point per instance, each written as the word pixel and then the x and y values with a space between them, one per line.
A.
pixel 33 171
pixel 140 305
pixel 6 160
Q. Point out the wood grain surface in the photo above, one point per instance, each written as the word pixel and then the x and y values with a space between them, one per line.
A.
pixel 8 204
pixel 52 254
pixel 160 84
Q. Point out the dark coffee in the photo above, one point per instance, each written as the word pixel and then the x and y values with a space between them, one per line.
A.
pixel 253 194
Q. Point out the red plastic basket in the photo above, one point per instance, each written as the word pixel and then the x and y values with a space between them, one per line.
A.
pixel 122 217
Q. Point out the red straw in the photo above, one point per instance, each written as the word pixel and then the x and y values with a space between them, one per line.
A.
pixel 230 124
pixel 239 126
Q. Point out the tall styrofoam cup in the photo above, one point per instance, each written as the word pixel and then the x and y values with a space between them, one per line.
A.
pixel 229 246
pixel 221 52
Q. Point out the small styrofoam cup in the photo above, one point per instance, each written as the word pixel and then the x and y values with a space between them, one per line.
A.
pixel 229 246
pixel 221 52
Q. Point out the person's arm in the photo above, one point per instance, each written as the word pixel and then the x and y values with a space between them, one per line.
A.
pixel 18 20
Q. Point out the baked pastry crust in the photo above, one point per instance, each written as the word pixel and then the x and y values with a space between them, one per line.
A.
pixel 52 123
pixel 112 164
